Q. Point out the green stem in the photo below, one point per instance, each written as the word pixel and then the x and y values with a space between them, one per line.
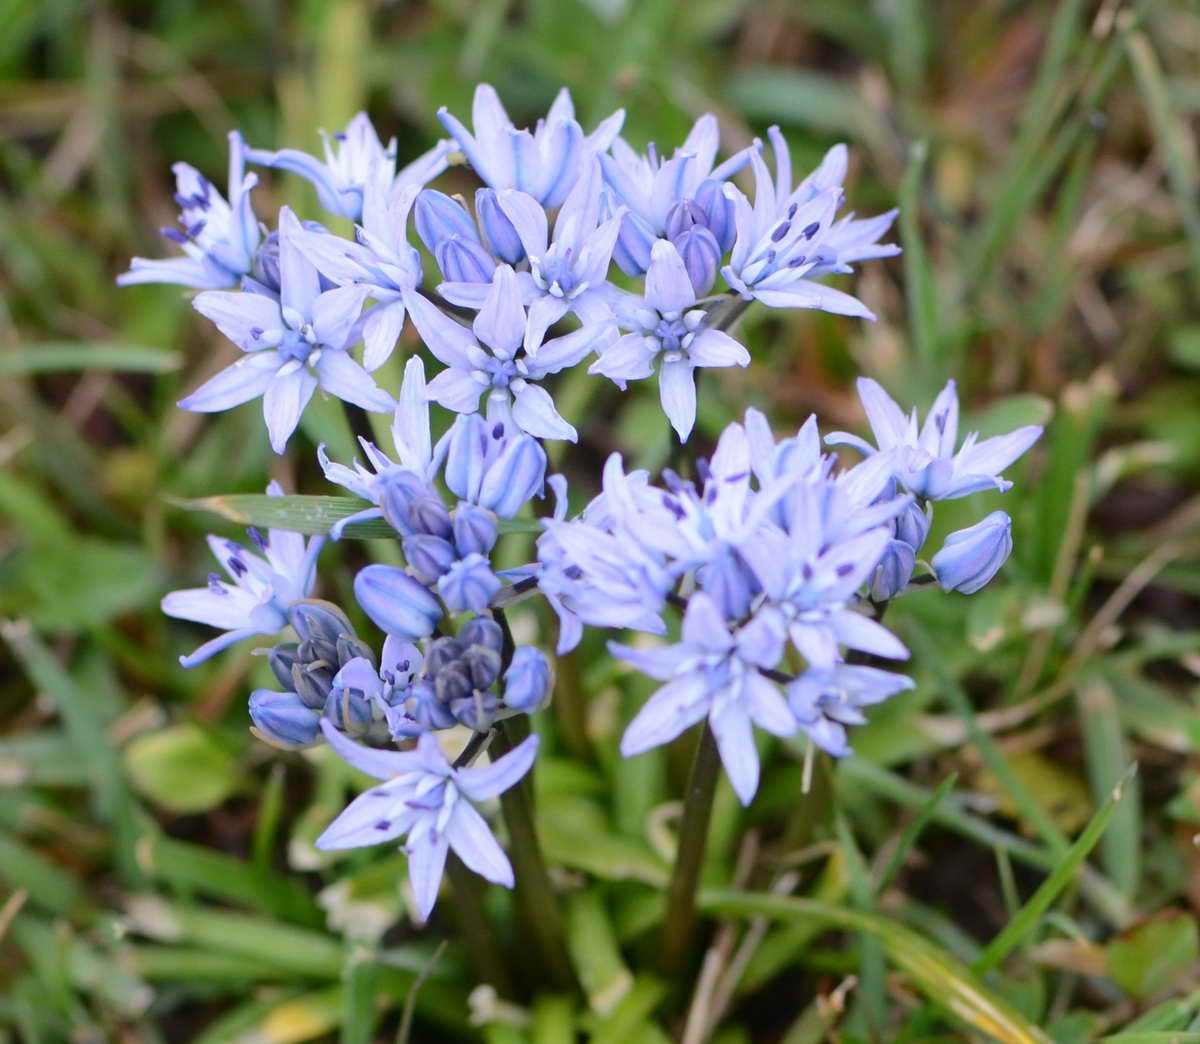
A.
pixel 481 941
pixel 689 860
pixel 535 892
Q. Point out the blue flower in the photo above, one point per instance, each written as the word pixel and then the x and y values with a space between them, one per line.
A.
pixel 656 191
pixel 711 673
pixel 544 163
pixel 568 274
pixel 667 324
pixel 380 262
pixel 405 479
pixel 503 366
pixel 924 460
pixel 971 557
pixel 262 587
pixel 283 719
pixel 492 463
pixel 355 161
pixel 292 345
pixel 218 237
pixel 826 700
pixel 424 797
pixel 468 584
pixel 528 680
pixel 788 236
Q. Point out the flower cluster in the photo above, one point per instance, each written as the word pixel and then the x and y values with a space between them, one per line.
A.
pixel 577 250
pixel 773 556
pixel 296 300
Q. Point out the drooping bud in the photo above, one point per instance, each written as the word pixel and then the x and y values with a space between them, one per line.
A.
pixel 514 477
pixel 265 268
pixel 475 529
pixel 396 603
pixel 469 585
pixel 971 557
pixel 498 231
pixel 527 681
pixel 429 557
pixel 683 215
pixel 283 719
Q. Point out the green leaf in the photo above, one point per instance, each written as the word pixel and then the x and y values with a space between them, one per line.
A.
pixel 943 978
pixel 181 768
pixel 798 98
pixel 54 357
pixel 313 515
pixel 1151 956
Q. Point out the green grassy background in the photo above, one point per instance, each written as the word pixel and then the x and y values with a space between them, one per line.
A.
pixel 156 881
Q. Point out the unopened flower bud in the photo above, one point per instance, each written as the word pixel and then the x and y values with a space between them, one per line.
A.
pixel 311 682
pixel 396 490
pixel 701 257
pixel 283 719
pixel 437 217
pixel 350 648
pixel 634 242
pixel 718 212
pixel 281 659
pixel 442 653
pixel 912 526
pixel 514 477
pixel 498 231
pixel 319 621
pixel 527 680
pixel 894 570
pixel 475 529
pixel 428 556
pixel 465 456
pixel 476 711
pixel 971 557
pixel 482 665
pixel 481 630
pixel 469 585
pixel 464 261
pixel 396 603
pixel 429 515
pixel 265 268
pixel 426 709
pixel 452 683
pixel 349 710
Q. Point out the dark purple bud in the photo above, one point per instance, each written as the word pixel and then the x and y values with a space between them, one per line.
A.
pixel 475 529
pixel 482 665
pixel 429 557
pixel 527 681
pixel 894 571
pixel 442 653
pixel 476 711
pixel 718 213
pixel 481 630
pixel 429 515
pixel 281 660
pixel 464 261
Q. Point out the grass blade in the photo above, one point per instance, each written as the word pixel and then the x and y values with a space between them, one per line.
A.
pixel 943 978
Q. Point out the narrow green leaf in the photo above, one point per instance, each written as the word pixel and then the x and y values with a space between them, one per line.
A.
pixel 594 952
pixel 920 287
pixel 1027 918
pixel 943 978
pixel 914 831
pixel 55 357
pixel 313 514
pixel 47 885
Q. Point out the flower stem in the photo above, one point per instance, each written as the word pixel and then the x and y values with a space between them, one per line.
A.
pixel 481 941
pixel 689 860
pixel 535 892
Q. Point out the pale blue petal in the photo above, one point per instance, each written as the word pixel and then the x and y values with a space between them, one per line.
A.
pixel 735 743
pixel 476 846
pixel 677 389
pixel 283 402
pixel 457 390
pixel 489 781
pixel 246 379
pixel 534 412
pixel 675 707
pixel 668 287
pixel 426 862
pixel 341 376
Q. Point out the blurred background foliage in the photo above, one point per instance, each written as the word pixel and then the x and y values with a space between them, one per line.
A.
pixel 156 877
